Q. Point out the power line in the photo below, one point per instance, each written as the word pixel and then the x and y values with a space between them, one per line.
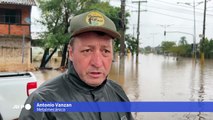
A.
pixel 168 14
pixel 174 4
pixel 176 11
pixel 170 10
pixel 172 16
pixel 152 25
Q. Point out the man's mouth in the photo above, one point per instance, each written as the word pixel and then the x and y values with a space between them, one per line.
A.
pixel 95 74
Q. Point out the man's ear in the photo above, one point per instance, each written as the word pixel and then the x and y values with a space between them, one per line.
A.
pixel 70 50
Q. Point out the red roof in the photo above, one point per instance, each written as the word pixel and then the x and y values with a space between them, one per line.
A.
pixel 18 2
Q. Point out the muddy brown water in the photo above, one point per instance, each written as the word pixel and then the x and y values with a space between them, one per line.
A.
pixel 158 78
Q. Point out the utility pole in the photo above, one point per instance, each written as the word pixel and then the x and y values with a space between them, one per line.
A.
pixel 122 48
pixel 23 46
pixel 133 30
pixel 203 36
pixel 138 25
pixel 194 37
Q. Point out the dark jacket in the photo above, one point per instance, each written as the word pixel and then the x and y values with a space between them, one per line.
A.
pixel 1 117
pixel 69 88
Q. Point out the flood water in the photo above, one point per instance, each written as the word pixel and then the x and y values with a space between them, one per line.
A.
pixel 159 78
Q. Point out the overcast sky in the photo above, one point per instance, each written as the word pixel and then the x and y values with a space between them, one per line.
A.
pixel 178 17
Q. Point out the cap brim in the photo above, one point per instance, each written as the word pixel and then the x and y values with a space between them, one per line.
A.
pixel 109 32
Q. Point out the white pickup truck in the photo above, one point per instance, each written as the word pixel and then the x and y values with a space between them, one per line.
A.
pixel 14 90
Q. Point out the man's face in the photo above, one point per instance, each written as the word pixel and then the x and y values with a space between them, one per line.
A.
pixel 92 56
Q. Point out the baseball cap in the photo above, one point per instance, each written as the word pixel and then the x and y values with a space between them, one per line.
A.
pixel 92 21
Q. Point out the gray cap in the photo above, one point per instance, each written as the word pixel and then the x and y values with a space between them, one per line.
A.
pixel 92 21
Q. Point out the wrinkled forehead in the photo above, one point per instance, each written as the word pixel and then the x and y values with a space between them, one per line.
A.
pixel 89 36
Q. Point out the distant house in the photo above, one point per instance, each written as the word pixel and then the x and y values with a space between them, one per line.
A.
pixel 15 37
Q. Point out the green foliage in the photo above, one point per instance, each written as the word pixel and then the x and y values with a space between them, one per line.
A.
pixel 57 13
pixel 166 46
pixel 181 50
pixel 131 43
pixel 207 47
pixel 54 40
pixel 183 41
pixel 148 49
pixel 110 11
pixel 55 16
pixel 116 45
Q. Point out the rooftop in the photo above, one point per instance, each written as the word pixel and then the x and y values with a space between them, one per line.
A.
pixel 18 2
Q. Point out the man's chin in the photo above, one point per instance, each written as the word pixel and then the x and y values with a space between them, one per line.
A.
pixel 95 84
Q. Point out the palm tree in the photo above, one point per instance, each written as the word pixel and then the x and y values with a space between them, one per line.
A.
pixel 183 41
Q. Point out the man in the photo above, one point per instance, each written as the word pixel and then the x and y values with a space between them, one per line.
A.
pixel 1 117
pixel 91 55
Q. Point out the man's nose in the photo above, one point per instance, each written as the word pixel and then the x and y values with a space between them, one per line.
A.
pixel 96 59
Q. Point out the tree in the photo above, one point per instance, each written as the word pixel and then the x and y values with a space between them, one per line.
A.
pixel 131 43
pixel 148 49
pixel 208 47
pixel 167 46
pixel 56 15
pixel 183 48
pixel 183 41
pixel 211 48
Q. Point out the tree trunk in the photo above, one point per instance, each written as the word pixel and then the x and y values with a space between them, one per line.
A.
pixel 50 56
pixel 64 53
pixel 46 57
pixel 46 53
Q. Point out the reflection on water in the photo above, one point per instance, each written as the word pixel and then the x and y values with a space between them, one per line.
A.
pixel 159 78
pixel 44 75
